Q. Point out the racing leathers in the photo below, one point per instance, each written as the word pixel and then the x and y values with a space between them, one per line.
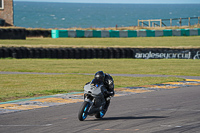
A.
pixel 109 85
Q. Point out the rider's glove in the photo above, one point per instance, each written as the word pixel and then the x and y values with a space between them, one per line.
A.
pixel 108 93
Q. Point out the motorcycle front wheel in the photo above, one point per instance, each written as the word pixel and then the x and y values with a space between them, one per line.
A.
pixel 83 112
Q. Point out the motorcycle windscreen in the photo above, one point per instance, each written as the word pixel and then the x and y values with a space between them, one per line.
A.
pixel 96 83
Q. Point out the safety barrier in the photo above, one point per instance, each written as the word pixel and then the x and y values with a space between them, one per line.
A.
pixel 106 53
pixel 38 33
pixel 124 33
pixel 16 33
pixel 12 33
pixel 23 33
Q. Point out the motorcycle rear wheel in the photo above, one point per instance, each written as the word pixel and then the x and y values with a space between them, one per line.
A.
pixel 83 112
pixel 101 113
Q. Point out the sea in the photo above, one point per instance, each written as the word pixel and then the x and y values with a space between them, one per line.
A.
pixel 88 15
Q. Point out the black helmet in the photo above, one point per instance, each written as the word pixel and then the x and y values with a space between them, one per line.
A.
pixel 99 76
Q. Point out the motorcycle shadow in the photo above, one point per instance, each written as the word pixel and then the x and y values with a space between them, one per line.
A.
pixel 130 118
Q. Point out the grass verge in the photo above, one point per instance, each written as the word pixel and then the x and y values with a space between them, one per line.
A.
pixel 186 67
pixel 13 87
pixel 142 42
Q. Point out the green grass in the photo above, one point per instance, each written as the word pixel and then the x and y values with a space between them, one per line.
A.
pixel 185 67
pixel 14 87
pixel 173 42
pixel 21 86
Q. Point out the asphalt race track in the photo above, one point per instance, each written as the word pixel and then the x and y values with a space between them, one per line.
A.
pixel 165 111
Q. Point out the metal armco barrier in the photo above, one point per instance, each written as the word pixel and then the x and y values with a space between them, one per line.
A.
pixel 103 53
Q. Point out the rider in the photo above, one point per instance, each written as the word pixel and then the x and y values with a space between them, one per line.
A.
pixel 107 81
pixel 104 79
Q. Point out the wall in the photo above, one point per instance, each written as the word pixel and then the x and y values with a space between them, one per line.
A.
pixel 7 12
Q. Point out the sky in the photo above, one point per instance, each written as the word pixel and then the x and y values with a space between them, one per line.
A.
pixel 123 1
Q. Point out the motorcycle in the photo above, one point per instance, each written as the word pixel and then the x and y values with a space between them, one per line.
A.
pixel 94 101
